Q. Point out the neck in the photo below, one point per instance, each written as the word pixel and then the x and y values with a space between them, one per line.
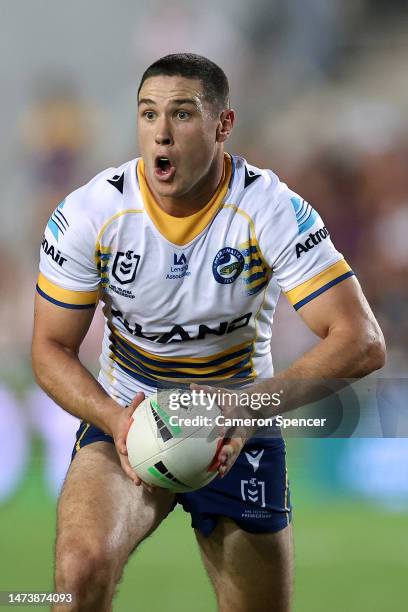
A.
pixel 198 196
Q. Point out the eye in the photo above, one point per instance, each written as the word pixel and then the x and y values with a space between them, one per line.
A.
pixel 182 115
pixel 149 115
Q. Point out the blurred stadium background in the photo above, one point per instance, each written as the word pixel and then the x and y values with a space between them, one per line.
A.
pixel 321 93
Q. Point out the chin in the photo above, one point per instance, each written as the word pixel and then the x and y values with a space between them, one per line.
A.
pixel 168 189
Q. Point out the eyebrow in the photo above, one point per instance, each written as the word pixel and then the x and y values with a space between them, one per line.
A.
pixel 175 102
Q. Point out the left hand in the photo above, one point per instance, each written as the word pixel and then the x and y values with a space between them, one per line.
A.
pixel 235 437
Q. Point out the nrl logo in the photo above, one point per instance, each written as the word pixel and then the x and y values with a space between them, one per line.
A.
pixel 125 267
pixel 253 491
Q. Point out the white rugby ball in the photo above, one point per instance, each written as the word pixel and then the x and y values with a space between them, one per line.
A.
pixel 174 448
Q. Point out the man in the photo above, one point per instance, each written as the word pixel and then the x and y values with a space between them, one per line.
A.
pixel 188 248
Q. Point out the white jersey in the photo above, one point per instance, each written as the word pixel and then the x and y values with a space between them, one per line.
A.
pixel 191 297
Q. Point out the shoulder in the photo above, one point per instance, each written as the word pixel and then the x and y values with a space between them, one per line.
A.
pixel 104 195
pixel 74 226
pixel 261 192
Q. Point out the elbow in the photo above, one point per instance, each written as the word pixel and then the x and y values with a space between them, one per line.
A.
pixel 40 363
pixel 36 366
pixel 375 352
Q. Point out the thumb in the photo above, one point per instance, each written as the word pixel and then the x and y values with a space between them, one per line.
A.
pixel 136 401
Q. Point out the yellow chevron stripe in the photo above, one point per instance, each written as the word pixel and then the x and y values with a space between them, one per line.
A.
pixel 187 360
pixel 253 240
pixel 249 243
pixel 256 283
pixel 183 370
pixel 98 246
pixel 253 271
pixel 169 378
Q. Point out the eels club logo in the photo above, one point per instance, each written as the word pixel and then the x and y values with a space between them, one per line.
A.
pixel 227 265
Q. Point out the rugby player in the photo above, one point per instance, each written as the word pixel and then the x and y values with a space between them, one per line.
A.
pixel 188 248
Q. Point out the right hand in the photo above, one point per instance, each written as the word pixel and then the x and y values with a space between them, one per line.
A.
pixel 119 431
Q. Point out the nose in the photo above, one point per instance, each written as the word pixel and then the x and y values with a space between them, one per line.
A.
pixel 163 132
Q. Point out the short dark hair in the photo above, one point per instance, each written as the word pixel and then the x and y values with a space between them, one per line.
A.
pixel 192 66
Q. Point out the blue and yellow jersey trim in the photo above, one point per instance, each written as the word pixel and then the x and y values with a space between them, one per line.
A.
pixel 182 230
pixel 102 260
pixel 147 367
pixel 315 286
pixel 103 254
pixel 66 298
pixel 256 273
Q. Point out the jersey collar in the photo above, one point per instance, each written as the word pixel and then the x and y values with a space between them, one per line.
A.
pixel 182 230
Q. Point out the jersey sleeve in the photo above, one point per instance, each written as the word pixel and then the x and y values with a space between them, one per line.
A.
pixel 305 262
pixel 69 273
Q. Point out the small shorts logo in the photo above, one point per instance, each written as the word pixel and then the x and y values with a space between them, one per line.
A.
pixel 227 265
pixel 253 491
pixel 254 457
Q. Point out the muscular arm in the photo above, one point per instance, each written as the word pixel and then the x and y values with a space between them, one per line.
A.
pixel 58 334
pixel 351 345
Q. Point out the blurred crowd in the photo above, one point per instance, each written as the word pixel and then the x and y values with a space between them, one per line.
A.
pixel 363 199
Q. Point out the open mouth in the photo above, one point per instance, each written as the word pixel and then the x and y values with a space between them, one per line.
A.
pixel 164 168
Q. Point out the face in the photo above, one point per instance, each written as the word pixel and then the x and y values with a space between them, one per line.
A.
pixel 179 134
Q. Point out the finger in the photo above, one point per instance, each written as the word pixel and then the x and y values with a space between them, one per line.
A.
pixel 206 388
pixel 122 448
pixel 129 471
pixel 228 455
pixel 218 392
pixel 132 475
pixel 138 399
pixel 121 440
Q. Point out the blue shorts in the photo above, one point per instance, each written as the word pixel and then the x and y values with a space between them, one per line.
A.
pixel 254 494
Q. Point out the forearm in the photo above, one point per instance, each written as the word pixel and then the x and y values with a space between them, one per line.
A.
pixel 324 369
pixel 63 377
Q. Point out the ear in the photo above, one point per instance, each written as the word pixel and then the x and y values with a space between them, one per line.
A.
pixel 225 125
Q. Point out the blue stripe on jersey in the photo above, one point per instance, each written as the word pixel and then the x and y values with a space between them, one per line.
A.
pixel 302 211
pixel 139 377
pixel 169 373
pixel 54 228
pixel 247 252
pixel 252 264
pixel 313 295
pixel 132 350
pixel 305 218
pixel 63 304
pixel 258 288
pixel 147 380
pixel 254 277
pixel 308 222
